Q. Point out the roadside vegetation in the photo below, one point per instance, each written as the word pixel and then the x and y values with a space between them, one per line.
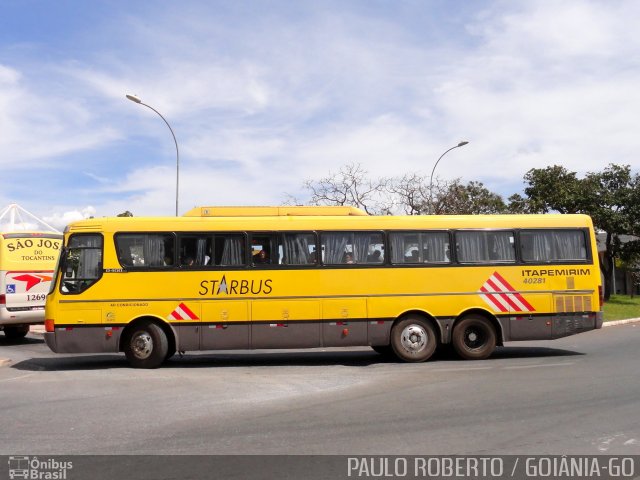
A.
pixel 620 307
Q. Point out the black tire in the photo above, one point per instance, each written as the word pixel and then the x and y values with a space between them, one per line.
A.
pixel 474 338
pixel 146 346
pixel 16 332
pixel 413 339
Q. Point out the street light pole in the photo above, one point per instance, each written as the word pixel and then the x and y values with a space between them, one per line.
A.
pixel 135 99
pixel 461 144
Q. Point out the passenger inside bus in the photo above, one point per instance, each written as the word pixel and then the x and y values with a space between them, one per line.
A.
pixel 261 258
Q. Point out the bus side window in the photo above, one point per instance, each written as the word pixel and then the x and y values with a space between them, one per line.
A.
pixel 195 250
pixel 145 250
pixel 297 248
pixel 264 250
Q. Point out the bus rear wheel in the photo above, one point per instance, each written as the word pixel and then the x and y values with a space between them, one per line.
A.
pixel 146 346
pixel 16 332
pixel 474 338
pixel 413 339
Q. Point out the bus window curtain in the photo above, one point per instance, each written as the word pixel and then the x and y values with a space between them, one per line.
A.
pixel 397 247
pixel 201 251
pixel 472 247
pixel 542 251
pixel 153 250
pixel 503 246
pixel 334 247
pixel 434 246
pixel 90 258
pixel 570 245
pixel 361 244
pixel 296 249
pixel 232 251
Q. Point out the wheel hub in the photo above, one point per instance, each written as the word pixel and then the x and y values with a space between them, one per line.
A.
pixel 142 345
pixel 414 338
pixel 473 338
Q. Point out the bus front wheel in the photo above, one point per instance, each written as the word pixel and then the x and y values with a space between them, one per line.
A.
pixel 474 338
pixel 413 339
pixel 146 346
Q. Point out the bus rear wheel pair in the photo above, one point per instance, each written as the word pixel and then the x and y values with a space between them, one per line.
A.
pixel 413 339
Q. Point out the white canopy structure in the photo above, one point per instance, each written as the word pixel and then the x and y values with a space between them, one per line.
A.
pixel 14 218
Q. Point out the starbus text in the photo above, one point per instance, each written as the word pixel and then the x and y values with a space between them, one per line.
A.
pixel 235 287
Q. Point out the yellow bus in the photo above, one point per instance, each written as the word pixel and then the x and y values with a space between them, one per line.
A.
pixel 223 278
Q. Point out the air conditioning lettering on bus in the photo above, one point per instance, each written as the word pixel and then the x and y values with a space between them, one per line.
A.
pixel 556 272
pixel 235 287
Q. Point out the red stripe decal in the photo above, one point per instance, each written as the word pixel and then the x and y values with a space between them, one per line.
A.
pixel 504 296
pixel 524 302
pixel 189 313
pixel 489 295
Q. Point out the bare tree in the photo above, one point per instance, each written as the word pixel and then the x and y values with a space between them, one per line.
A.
pixel 408 194
pixel 350 186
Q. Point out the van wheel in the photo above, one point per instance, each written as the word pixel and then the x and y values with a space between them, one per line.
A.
pixel 413 339
pixel 146 346
pixel 16 332
pixel 474 338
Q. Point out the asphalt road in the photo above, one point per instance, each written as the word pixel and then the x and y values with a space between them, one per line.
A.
pixel 577 395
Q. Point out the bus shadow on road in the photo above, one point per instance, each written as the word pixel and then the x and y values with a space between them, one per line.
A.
pixel 5 342
pixel 532 352
pixel 218 359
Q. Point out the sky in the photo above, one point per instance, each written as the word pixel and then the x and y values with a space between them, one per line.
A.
pixel 263 95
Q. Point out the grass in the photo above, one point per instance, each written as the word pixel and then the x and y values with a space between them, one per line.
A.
pixel 620 307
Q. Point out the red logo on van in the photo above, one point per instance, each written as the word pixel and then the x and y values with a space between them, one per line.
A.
pixel 33 280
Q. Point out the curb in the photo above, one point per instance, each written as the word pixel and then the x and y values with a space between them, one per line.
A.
pixel 613 323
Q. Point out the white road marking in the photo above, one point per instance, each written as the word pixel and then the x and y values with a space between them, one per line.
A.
pixel 17 378
pixel 538 365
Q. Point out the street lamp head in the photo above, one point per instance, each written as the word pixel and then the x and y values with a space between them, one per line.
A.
pixel 133 98
pixel 461 144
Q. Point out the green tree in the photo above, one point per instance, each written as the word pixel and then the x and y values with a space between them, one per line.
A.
pixel 126 213
pixel 470 199
pixel 611 197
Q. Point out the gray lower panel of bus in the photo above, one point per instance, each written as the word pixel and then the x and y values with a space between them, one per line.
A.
pixel 233 336
pixel 309 334
pixel 548 327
